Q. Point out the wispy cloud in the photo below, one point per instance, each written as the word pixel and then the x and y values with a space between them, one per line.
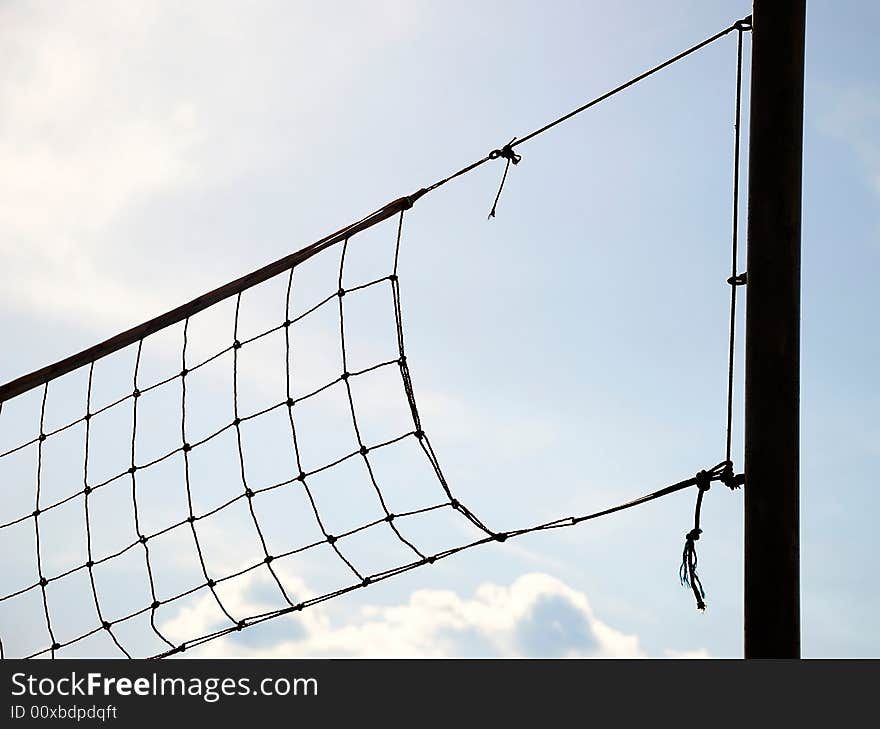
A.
pixel 106 109
pixel 852 115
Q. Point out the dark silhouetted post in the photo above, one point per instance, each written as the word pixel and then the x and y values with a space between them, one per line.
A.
pixel 772 549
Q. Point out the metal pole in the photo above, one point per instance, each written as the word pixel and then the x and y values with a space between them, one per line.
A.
pixel 772 392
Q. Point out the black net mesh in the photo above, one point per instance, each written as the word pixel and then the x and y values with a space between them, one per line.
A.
pixel 138 479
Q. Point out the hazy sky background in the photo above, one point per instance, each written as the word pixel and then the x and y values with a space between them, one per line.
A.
pixel 568 355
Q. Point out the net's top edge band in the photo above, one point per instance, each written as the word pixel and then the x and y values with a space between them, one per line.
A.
pixel 87 356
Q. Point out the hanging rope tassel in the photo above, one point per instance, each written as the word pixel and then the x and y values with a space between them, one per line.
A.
pixel 512 158
pixel 687 573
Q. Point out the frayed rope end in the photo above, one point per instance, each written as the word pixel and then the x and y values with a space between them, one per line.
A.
pixel 687 573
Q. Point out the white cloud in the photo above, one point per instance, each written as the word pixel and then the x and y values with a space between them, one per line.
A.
pixel 537 615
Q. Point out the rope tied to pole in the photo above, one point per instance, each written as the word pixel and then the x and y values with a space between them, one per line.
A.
pixel 724 471
pixel 506 152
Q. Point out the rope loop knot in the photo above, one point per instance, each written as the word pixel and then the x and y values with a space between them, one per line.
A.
pixel 730 479
pixel 743 25
pixel 704 480
pixel 506 152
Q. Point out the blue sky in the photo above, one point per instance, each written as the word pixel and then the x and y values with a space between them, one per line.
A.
pixel 567 355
